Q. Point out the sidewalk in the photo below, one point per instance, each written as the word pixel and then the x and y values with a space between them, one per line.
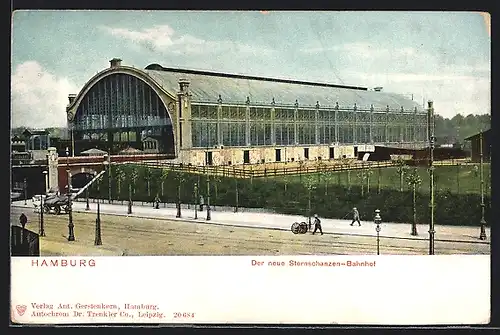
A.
pixel 258 218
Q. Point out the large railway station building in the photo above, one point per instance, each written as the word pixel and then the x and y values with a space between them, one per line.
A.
pixel 197 117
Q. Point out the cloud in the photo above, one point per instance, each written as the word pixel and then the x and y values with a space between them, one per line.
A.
pixel 38 97
pixel 452 93
pixel 162 38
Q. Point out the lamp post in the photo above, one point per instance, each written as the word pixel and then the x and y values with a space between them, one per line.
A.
pixel 377 221
pixel 482 235
pixel 87 207
pixel 71 233
pixel 208 197
pixel 42 229
pixel 25 192
pixel 196 201
pixel 107 165
pixel 430 130
pixel 97 240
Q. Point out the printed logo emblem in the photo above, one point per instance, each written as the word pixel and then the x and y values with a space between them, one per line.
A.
pixel 21 309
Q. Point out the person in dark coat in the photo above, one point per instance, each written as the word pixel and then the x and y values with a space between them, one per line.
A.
pixel 23 219
pixel 355 216
pixel 202 202
pixel 317 224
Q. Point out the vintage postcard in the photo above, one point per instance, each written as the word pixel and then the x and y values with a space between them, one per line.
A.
pixel 250 167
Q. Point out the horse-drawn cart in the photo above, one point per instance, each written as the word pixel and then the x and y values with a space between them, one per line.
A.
pixel 299 228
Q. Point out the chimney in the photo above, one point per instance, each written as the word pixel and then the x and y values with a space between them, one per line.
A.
pixel 183 84
pixel 71 98
pixel 115 62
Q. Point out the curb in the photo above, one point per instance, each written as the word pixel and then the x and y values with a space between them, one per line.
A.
pixel 218 223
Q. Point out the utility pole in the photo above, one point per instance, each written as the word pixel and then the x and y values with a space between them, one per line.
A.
pixel 430 125
pixel 482 235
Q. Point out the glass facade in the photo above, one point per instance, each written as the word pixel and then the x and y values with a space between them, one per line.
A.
pixel 119 111
pixel 247 125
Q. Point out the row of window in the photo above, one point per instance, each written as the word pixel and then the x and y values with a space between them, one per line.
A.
pixel 205 134
pixel 260 113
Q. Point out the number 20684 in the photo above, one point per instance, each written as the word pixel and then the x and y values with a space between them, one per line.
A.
pixel 183 315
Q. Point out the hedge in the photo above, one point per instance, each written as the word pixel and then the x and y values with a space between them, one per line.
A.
pixel 335 201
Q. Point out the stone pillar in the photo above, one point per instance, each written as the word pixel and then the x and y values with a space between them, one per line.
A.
pixel 53 174
pixel 371 124
pixel 316 124
pixel 273 123
pixel 355 124
pixel 415 125
pixel 401 126
pixel 218 128
pixel 183 122
pixel 336 116
pixel 387 125
pixel 295 117
pixel 247 123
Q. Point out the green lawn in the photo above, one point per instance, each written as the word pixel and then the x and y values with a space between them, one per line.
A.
pixel 459 179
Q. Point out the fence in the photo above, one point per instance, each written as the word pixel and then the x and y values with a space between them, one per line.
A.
pixel 291 168
pixel 24 242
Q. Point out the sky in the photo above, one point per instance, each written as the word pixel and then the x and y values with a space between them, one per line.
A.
pixel 439 56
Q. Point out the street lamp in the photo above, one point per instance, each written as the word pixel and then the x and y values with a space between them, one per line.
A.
pixel 377 221
pixel 71 233
pixel 25 192
pixel 208 197
pixel 196 201
pixel 87 207
pixel 107 165
pixel 482 235
pixel 42 230
pixel 430 130
pixel 97 240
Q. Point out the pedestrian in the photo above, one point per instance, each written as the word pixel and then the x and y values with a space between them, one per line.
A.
pixel 202 202
pixel 317 224
pixel 23 220
pixel 355 216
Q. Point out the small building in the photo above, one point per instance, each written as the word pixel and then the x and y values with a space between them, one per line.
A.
pixel 475 146
pixel 17 144
pixel 93 152
pixel 151 144
pixel 36 139
pixel 130 151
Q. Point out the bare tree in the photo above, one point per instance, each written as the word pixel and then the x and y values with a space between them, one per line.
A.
pixel 401 169
pixel 414 180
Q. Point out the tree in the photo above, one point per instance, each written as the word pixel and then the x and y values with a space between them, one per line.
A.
pixel 132 175
pixel 346 163
pixel 361 175
pixel 163 178
pixel 120 177
pixel 216 179
pixel 414 180
pixel 301 167
pixel 310 185
pixel 368 174
pixel 148 176
pixel 327 174
pixel 180 177
pixel 401 169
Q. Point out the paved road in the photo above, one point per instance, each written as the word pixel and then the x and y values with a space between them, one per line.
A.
pixel 260 219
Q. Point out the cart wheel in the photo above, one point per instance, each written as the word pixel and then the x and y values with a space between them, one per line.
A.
pixel 57 209
pixel 46 209
pixel 66 209
pixel 295 228
pixel 303 227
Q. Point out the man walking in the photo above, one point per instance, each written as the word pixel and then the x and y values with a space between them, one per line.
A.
pixel 355 216
pixel 317 224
